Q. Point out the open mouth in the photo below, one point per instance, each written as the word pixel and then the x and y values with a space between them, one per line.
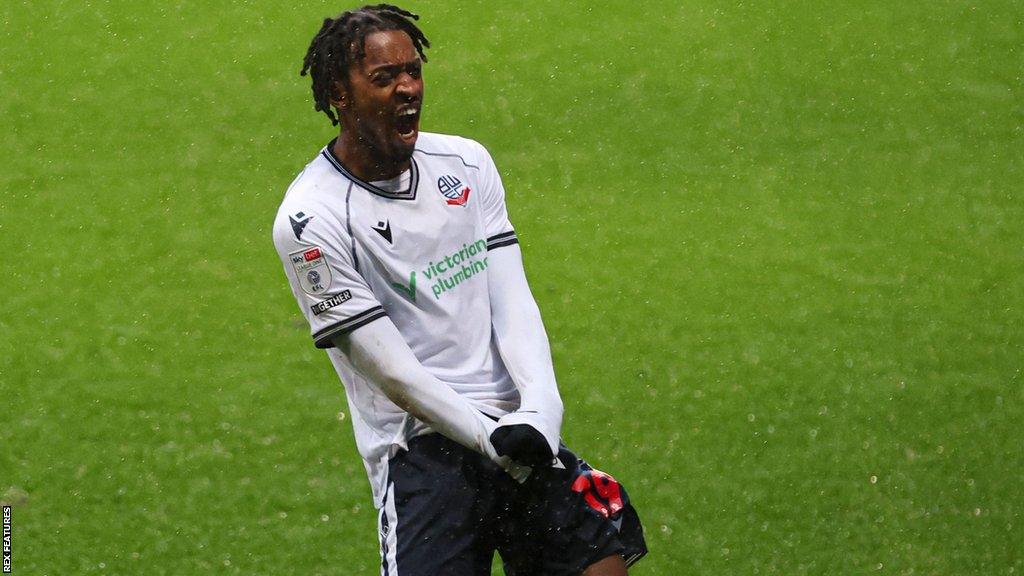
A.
pixel 408 122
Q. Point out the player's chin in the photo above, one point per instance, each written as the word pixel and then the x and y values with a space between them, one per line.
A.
pixel 403 144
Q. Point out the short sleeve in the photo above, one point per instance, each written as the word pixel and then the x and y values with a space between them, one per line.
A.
pixel 317 256
pixel 497 225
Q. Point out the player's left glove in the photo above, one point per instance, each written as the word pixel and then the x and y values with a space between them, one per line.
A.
pixel 522 443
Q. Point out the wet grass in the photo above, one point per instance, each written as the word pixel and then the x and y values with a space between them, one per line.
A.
pixel 778 251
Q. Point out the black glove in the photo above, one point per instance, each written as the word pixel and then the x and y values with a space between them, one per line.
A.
pixel 522 443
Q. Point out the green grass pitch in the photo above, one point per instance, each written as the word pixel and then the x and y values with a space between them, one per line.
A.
pixel 779 250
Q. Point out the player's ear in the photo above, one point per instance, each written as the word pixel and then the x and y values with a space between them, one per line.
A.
pixel 340 100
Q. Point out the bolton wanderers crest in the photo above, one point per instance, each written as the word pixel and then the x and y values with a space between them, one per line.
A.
pixel 452 189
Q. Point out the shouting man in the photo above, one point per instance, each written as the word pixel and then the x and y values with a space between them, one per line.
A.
pixel 399 250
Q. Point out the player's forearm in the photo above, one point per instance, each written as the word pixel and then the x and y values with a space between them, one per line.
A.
pixel 524 347
pixel 523 344
pixel 380 354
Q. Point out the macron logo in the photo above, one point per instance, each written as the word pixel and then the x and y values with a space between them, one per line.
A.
pixel 299 222
pixel 384 229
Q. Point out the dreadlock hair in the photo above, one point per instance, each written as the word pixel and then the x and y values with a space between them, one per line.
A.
pixel 341 43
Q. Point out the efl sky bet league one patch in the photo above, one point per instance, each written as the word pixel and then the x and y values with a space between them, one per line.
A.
pixel 312 270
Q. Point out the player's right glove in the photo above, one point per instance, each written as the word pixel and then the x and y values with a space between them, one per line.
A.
pixel 522 443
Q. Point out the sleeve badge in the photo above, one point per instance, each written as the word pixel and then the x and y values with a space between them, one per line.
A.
pixel 311 270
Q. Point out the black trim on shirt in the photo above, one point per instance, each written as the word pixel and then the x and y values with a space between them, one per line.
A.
pixel 504 239
pixel 464 163
pixel 348 224
pixel 322 339
pixel 408 194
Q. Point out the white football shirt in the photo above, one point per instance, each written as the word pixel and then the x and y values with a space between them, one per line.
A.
pixel 414 249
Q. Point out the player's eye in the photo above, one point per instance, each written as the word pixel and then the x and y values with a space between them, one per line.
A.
pixel 382 78
pixel 415 71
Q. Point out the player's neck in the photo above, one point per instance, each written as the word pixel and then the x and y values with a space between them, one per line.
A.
pixel 363 162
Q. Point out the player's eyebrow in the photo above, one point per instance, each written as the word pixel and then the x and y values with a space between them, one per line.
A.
pixel 394 67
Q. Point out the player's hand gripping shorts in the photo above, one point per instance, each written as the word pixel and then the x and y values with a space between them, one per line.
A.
pixel 448 509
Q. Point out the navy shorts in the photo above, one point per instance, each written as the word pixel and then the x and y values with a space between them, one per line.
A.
pixel 448 510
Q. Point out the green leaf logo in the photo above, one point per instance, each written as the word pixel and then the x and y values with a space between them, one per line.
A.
pixel 410 290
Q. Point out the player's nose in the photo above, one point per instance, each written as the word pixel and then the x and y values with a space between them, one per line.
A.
pixel 409 87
